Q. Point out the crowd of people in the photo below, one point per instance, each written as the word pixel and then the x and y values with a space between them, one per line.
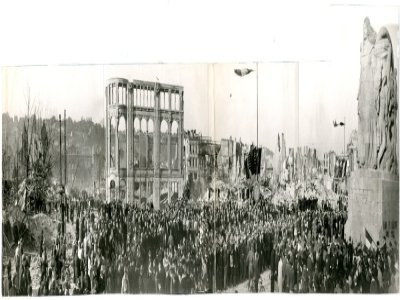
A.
pixel 19 282
pixel 312 256
pixel 118 248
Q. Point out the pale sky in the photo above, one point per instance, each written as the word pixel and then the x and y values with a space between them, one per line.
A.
pixel 299 99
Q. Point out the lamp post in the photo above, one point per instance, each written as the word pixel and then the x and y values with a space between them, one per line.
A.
pixel 214 234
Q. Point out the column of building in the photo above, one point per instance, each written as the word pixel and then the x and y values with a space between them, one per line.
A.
pixel 140 134
pixel 129 143
pixel 139 153
pixel 147 154
pixel 180 140
pixel 169 148
pixel 117 115
pixel 156 148
pixel 132 165
pixel 107 141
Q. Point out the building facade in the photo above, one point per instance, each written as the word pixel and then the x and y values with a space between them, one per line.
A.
pixel 200 161
pixel 329 163
pixel 192 142
pixel 144 141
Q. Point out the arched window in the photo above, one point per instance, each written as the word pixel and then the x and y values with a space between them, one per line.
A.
pixel 122 189
pixel 144 125
pixel 174 145
pixel 136 125
pixel 150 126
pixel 164 145
pixel 164 126
pixel 174 127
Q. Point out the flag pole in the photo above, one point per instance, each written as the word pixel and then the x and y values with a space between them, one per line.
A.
pixel 344 136
pixel 214 234
pixel 59 119
pixel 65 148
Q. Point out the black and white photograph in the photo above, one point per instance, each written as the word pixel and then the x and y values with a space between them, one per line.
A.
pixel 265 173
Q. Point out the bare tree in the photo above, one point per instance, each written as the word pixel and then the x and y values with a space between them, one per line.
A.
pixel 27 133
pixel 35 153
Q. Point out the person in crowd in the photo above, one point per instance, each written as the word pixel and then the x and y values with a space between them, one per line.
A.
pixel 125 282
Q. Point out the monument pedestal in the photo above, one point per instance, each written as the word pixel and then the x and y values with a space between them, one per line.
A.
pixel 373 204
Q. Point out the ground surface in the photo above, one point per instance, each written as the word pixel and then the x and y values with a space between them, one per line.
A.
pixel 35 224
pixel 242 288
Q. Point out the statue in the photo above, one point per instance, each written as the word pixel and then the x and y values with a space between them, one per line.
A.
pixel 366 106
pixel 386 103
pixel 377 102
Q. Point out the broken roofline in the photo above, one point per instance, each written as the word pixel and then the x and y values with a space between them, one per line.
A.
pixel 148 84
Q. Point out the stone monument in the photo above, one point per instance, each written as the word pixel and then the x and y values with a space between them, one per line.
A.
pixel 373 205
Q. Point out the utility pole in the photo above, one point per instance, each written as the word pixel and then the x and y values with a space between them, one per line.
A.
pixel 61 184
pixel 59 119
pixel 244 72
pixel 257 106
pixel 214 235
pixel 257 121
pixel 65 148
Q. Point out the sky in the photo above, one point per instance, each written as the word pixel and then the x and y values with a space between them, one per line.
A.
pixel 307 77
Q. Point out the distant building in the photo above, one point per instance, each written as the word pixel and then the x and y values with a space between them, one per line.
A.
pixel 279 158
pixel 352 151
pixel 199 156
pixel 225 159
pixel 231 159
pixel 329 163
pixel 191 155
pixel 307 164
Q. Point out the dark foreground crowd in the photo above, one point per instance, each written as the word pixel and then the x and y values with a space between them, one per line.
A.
pixel 126 249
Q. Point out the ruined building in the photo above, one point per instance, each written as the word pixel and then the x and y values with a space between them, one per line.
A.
pixel 144 141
